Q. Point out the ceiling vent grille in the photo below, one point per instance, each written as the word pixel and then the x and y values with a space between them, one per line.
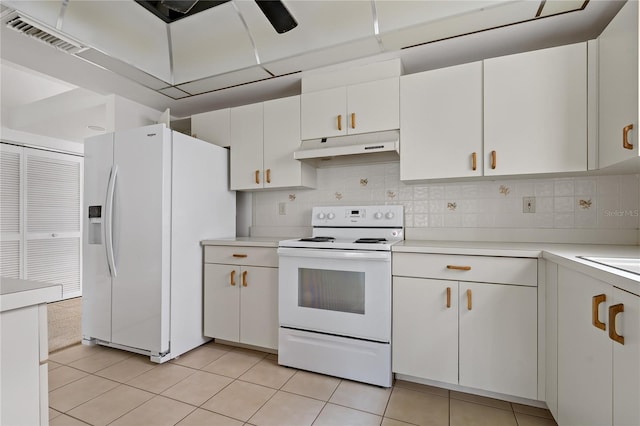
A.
pixel 33 30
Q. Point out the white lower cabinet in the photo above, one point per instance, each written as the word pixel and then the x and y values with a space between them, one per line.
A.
pixel 479 335
pixel 598 352
pixel 499 338
pixel 425 328
pixel 24 389
pixel 241 295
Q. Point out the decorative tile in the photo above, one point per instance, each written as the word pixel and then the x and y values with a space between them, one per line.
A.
pixel 585 204
pixel 452 206
pixel 292 197
pixel 504 190
pixel 338 195
pixel 364 181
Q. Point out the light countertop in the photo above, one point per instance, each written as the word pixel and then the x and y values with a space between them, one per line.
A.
pixel 244 242
pixel 16 293
pixel 562 254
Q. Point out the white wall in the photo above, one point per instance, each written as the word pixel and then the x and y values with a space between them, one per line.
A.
pixel 591 209
pixel 124 114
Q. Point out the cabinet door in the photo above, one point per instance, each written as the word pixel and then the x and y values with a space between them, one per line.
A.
pixel 212 126
pixel 441 123
pixel 499 338
pixel 281 138
pixel 247 147
pixel 373 106
pixel 618 86
pixel 535 111
pixel 259 307
pixel 584 352
pixel 222 301
pixel 626 364
pixel 425 328
pixel 324 113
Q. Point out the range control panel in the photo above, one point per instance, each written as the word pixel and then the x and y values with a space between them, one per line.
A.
pixel 358 216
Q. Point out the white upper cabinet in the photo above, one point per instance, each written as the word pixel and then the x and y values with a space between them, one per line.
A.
pixel 212 126
pixel 263 139
pixel 353 109
pixel 281 139
pixel 535 112
pixel 246 154
pixel 441 123
pixel 618 88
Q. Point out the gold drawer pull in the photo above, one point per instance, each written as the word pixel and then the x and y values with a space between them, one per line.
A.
pixel 595 304
pixel 353 120
pixel 233 277
pixel 244 279
pixel 268 175
pixel 469 301
pixel 459 268
pixel 448 297
pixel 340 122
pixel 625 137
pixel 474 161
pixel 257 176
pixel 613 311
pixel 239 255
pixel 493 159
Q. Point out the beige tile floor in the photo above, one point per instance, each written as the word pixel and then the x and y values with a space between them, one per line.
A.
pixel 222 385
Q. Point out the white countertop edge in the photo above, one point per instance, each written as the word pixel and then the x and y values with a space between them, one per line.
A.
pixel 243 242
pixel 626 281
pixel 16 293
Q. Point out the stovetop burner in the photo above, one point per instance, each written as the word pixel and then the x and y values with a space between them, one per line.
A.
pixel 318 239
pixel 370 240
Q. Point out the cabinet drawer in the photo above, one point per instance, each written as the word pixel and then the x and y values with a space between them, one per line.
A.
pixel 502 270
pixel 238 255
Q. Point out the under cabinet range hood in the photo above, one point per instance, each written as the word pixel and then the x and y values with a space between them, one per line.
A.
pixel 366 147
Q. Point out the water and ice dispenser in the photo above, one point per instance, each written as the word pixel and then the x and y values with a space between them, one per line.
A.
pixel 95 224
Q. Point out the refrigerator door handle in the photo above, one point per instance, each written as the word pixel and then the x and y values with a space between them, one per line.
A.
pixel 111 186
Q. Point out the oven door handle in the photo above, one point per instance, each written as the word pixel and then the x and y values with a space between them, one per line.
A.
pixel 384 256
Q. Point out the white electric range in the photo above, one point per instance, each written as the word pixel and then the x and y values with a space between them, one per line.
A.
pixel 335 293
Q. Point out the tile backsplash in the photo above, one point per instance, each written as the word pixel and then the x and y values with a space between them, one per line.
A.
pixel 587 205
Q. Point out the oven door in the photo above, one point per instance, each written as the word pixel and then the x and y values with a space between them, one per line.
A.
pixel 340 292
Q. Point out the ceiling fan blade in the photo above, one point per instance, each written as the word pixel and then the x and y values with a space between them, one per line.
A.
pixel 278 15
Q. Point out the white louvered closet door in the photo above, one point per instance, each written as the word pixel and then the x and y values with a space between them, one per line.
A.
pixel 10 210
pixel 52 202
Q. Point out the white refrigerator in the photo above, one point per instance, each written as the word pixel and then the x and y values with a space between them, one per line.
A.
pixel 150 196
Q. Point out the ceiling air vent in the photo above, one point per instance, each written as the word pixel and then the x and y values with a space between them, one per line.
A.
pixel 26 26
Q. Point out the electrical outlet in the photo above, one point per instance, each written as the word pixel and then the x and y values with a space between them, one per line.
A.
pixel 282 208
pixel 528 204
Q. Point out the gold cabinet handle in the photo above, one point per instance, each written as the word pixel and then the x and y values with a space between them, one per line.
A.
pixel 625 137
pixel 469 301
pixel 493 159
pixel 241 255
pixel 474 161
pixel 459 267
pixel 448 297
pixel 268 175
pixel 353 120
pixel 340 122
pixel 233 277
pixel 613 311
pixel 595 304
pixel 257 176
pixel 244 278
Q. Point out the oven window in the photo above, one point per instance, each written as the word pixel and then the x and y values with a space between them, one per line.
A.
pixel 341 291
